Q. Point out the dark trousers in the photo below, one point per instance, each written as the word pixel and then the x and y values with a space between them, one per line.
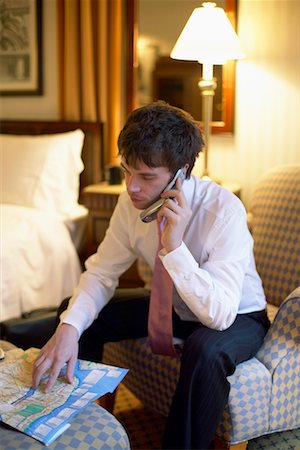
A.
pixel 208 358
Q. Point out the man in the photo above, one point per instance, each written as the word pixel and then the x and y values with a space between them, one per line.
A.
pixel 218 301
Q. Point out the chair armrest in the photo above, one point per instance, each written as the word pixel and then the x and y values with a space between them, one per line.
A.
pixel 283 335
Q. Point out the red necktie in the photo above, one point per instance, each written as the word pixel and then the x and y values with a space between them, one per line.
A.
pixel 160 328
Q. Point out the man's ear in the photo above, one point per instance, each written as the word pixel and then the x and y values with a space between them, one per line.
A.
pixel 185 168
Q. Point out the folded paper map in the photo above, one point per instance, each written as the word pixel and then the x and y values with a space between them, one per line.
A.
pixel 45 416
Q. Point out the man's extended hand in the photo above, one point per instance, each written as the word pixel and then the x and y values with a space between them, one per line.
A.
pixel 60 349
pixel 177 214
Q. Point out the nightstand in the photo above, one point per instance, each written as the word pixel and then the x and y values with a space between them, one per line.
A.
pixel 100 199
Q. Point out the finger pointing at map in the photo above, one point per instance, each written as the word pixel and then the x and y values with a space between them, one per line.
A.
pixel 60 349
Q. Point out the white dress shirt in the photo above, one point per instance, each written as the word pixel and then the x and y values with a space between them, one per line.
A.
pixel 213 270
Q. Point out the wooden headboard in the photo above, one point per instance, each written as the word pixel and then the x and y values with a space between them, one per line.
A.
pixel 92 154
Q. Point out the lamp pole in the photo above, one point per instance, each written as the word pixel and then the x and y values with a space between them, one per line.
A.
pixel 207 86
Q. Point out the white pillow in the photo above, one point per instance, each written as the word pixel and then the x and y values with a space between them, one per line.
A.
pixel 42 171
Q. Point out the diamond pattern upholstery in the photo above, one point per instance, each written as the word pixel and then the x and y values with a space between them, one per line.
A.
pixel 152 378
pixel 248 405
pixel 275 208
pixel 265 391
pixel 92 429
pixel 283 334
pixel 285 399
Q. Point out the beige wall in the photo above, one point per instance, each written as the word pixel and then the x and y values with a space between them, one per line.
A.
pixel 267 116
pixel 267 125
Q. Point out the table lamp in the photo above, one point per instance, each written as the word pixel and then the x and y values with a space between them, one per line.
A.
pixel 209 38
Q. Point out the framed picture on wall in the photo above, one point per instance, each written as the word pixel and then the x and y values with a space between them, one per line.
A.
pixel 21 47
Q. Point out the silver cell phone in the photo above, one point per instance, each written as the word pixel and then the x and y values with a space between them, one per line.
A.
pixel 150 213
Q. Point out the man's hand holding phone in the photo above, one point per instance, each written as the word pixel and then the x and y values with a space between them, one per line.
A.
pixel 150 213
pixel 173 209
pixel 176 214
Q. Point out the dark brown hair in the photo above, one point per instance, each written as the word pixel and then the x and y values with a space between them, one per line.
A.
pixel 160 135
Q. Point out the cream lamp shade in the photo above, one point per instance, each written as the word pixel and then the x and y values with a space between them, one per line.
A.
pixel 208 37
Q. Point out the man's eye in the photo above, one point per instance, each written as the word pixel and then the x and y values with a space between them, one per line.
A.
pixel 148 177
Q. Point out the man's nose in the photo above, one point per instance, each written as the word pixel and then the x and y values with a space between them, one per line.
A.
pixel 132 184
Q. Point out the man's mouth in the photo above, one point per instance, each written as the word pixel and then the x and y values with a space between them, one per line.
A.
pixel 138 202
pixel 135 199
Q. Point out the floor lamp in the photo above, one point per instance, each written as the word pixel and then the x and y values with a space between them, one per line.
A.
pixel 209 38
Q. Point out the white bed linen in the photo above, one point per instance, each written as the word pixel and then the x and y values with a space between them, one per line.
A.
pixel 39 262
pixel 76 223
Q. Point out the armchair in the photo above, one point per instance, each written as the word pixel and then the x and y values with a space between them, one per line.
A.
pixel 265 390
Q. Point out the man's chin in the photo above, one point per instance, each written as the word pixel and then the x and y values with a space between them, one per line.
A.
pixel 139 204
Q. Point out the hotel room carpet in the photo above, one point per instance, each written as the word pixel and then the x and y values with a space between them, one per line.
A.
pixel 145 427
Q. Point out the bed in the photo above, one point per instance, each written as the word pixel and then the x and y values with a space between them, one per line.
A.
pixel 44 166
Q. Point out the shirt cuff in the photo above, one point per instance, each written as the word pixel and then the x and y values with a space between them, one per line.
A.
pixel 181 260
pixel 76 318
